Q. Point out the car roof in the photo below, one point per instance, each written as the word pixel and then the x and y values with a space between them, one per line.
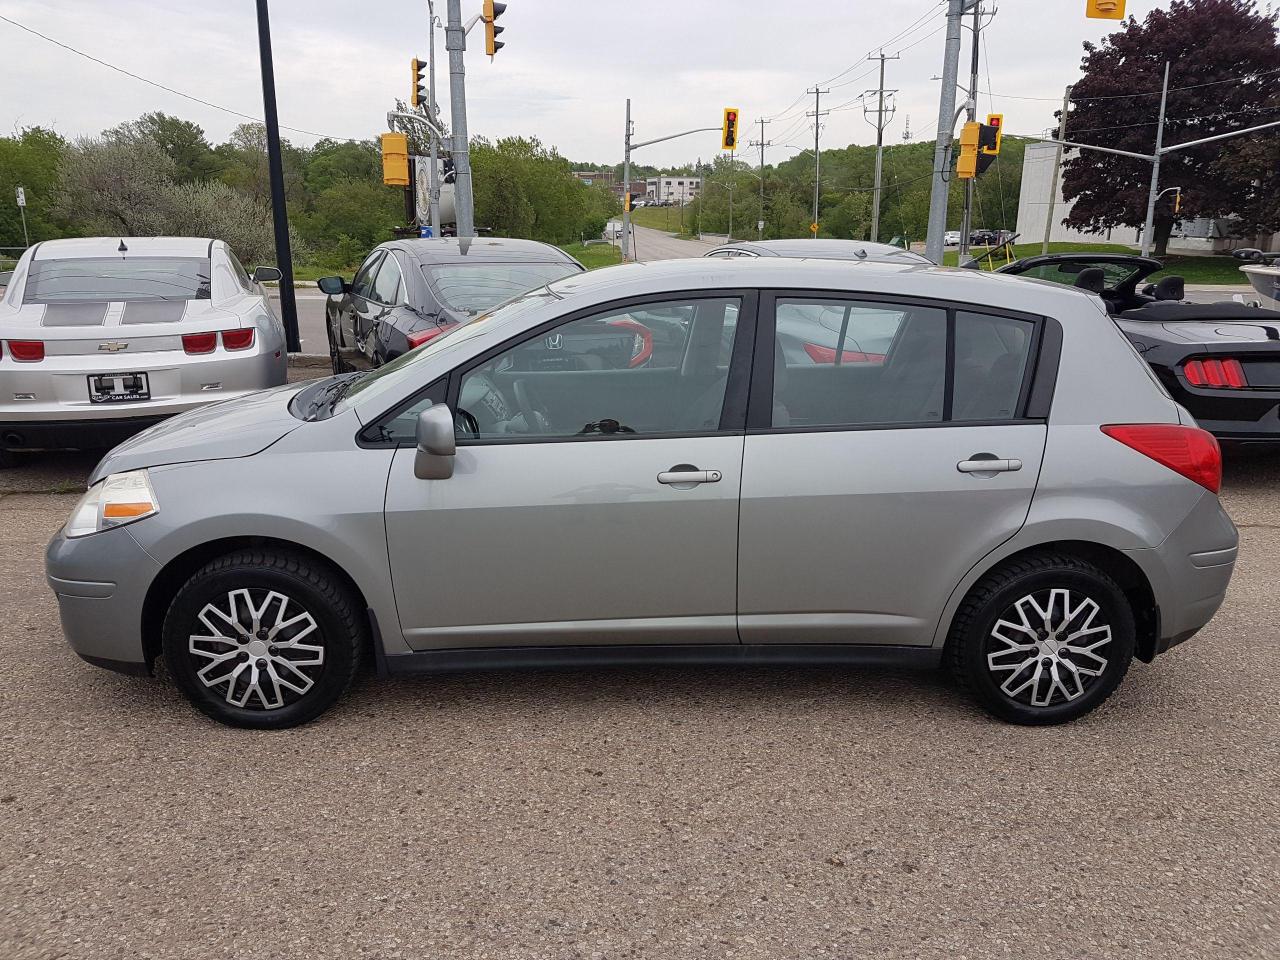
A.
pixel 921 280
pixel 824 249
pixel 478 250
pixel 83 247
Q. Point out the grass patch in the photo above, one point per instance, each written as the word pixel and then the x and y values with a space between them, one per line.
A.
pixel 661 218
pixel 309 272
pixel 1196 270
pixel 594 256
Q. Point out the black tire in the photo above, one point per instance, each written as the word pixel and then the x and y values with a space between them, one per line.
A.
pixel 337 626
pixel 1006 595
pixel 335 357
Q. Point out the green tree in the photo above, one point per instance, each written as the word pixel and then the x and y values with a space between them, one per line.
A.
pixel 183 141
pixel 31 160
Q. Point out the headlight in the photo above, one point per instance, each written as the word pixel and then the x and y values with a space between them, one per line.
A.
pixel 121 498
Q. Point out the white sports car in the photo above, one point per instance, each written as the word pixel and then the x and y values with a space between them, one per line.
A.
pixel 103 336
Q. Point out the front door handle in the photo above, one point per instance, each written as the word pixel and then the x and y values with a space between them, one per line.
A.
pixel 683 474
pixel 988 464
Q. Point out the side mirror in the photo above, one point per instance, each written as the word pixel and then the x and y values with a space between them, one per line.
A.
pixel 266 274
pixel 436 444
pixel 333 286
pixel 1248 254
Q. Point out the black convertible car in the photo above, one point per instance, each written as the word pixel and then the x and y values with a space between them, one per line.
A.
pixel 408 292
pixel 1219 360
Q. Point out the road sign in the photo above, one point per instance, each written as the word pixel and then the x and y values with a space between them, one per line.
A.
pixel 424 230
pixel 813 228
pixel 759 224
pixel 22 197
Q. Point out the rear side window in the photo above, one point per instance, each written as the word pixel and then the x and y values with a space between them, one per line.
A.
pixel 117 278
pixel 991 364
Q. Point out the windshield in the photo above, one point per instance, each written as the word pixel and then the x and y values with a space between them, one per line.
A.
pixel 117 278
pixel 1068 271
pixel 473 288
pixel 402 370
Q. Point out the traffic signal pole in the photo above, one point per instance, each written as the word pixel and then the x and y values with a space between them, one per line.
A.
pixel 1149 227
pixel 946 125
pixel 275 168
pixel 455 41
pixel 1057 172
pixel 966 218
pixel 628 252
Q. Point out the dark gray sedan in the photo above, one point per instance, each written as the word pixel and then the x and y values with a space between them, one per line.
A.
pixel 408 292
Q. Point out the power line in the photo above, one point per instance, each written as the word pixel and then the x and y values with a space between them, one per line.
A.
pixel 161 86
pixel 1144 93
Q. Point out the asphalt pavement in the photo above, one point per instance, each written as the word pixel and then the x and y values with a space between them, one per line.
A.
pixel 649 813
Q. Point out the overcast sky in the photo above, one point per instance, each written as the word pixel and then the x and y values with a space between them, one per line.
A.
pixel 565 74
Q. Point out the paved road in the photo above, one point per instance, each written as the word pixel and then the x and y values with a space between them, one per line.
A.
pixel 310 318
pixel 649 813
pixel 653 244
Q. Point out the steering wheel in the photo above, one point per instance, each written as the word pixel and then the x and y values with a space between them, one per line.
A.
pixel 531 407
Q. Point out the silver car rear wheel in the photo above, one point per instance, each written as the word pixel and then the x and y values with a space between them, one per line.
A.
pixel 1048 647
pixel 259 650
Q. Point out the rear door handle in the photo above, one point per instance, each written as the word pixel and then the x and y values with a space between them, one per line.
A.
pixel 691 477
pixel 993 465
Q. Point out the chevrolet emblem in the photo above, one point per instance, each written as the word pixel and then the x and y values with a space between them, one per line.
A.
pixel 114 347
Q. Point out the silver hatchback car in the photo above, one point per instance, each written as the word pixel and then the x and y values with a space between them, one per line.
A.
pixel 1005 489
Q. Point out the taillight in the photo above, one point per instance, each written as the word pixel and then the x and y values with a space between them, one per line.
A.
pixel 419 337
pixel 1227 374
pixel 238 339
pixel 641 343
pixel 1190 451
pixel 27 351
pixel 199 342
pixel 820 354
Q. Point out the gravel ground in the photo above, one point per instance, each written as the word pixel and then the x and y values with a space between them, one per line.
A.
pixel 656 813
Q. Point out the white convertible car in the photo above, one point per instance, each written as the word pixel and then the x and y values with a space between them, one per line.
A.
pixel 103 336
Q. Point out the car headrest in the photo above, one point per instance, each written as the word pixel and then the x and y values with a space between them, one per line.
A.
pixel 1170 288
pixel 1091 279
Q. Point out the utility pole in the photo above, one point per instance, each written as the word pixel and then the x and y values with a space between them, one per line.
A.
pixel 275 167
pixel 946 125
pixel 455 41
pixel 626 187
pixel 762 144
pixel 966 218
pixel 881 123
pixel 1057 171
pixel 1148 230
pixel 817 115
pixel 433 174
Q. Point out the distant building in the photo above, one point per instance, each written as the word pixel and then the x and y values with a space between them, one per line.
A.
pixel 592 177
pixel 679 188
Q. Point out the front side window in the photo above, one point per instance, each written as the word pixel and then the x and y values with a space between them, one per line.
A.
pixel 845 362
pixel 362 285
pixel 473 288
pixel 386 287
pixel 117 278
pixel 651 370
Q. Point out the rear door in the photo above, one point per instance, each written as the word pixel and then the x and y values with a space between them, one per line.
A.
pixel 865 495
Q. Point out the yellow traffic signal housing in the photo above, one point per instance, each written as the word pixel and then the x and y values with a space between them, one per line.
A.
pixel 490 13
pixel 967 164
pixel 626 203
pixel 395 159
pixel 1104 9
pixel 992 134
pixel 418 94
pixel 729 129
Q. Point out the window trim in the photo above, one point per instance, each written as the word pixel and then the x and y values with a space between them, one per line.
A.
pixel 1039 372
pixel 737 384
pixel 395 296
pixel 381 255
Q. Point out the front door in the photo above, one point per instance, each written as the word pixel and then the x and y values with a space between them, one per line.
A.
pixel 896 452
pixel 594 498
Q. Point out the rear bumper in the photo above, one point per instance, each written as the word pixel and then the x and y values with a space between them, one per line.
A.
pixel 1189 572
pixel 71 434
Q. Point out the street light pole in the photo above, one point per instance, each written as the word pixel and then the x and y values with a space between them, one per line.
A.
pixel 1149 228
pixel 1057 172
pixel 455 41
pixel 275 168
pixel 626 187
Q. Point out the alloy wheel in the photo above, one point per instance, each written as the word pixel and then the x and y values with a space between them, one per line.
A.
pixel 1044 649
pixel 253 654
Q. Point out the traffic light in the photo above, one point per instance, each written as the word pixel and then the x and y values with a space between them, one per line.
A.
pixel 989 138
pixel 395 159
pixel 626 202
pixel 1104 9
pixel 729 130
pixel 489 14
pixel 419 96
pixel 1177 200
pixel 967 164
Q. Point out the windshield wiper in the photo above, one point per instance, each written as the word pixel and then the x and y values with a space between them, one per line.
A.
pixel 327 396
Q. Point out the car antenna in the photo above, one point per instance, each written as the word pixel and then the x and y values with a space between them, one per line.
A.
pixel 122 248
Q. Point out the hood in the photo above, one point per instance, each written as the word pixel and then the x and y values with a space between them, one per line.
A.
pixel 221 431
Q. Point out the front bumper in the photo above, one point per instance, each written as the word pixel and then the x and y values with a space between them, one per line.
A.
pixel 71 434
pixel 101 582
